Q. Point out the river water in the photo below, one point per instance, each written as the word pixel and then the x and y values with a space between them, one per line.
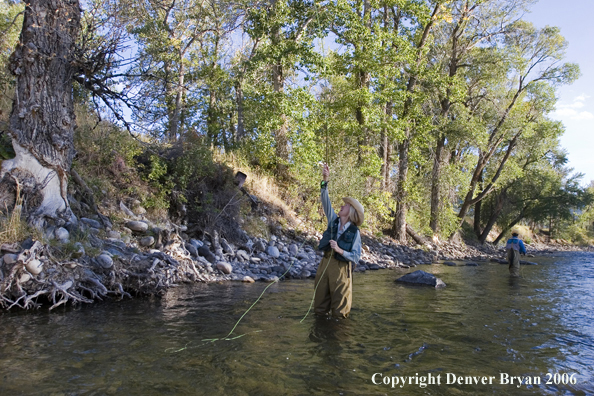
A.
pixel 483 327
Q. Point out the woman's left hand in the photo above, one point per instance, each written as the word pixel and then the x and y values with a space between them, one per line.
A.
pixel 335 247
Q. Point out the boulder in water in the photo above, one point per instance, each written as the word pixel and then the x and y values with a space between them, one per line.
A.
pixel 421 278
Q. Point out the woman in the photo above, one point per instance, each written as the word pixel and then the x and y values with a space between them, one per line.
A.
pixel 341 244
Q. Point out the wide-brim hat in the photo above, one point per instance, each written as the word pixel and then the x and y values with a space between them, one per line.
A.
pixel 358 208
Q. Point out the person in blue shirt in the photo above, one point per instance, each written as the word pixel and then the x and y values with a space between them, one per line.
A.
pixel 514 247
pixel 341 243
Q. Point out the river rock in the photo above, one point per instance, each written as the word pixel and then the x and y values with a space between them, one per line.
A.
pixel 191 248
pixel 373 267
pixel 226 247
pixel 34 267
pixel 449 263
pixel 272 251
pixel 421 278
pixel 79 250
pixel 147 241
pixel 224 267
pixel 248 279
pixel 243 254
pixel 205 252
pixel 471 264
pixel 104 261
pixel 10 258
pixel 303 256
pixel 114 235
pixel 137 226
pixel 270 279
pixel 196 243
pixel 259 246
pixel 61 234
pixel 91 223
pixel 127 211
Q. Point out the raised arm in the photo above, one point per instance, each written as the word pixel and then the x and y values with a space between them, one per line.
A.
pixel 325 197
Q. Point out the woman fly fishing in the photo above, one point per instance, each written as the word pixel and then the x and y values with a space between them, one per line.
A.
pixel 341 243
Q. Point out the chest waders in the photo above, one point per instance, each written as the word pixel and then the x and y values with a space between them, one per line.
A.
pixel 513 256
pixel 334 277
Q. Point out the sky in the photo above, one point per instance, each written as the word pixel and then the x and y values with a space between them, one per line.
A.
pixel 575 107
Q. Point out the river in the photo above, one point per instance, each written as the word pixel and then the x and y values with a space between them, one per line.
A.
pixel 473 337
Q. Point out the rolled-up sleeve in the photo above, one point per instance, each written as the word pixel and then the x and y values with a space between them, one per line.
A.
pixel 355 254
pixel 327 205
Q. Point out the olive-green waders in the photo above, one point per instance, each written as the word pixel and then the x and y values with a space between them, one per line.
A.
pixel 334 289
pixel 513 258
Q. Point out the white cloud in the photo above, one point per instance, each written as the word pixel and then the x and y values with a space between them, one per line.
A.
pixel 574 105
pixel 573 114
pixel 581 98
pixel 569 111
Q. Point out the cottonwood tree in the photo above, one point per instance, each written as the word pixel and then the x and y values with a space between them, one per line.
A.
pixel 284 31
pixel 54 52
pixel 42 120
pixel 535 57
pixel 471 26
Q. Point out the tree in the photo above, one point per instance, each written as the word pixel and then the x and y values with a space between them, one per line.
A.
pixel 42 120
pixel 284 34
pixel 409 116
pixel 471 25
pixel 534 55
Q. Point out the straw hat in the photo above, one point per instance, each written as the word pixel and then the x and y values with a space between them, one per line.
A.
pixel 358 208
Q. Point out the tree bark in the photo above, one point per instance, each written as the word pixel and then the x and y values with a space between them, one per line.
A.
pixel 42 120
pixel 416 237
pixel 211 127
pixel 509 227
pixel 239 102
pixel 176 113
pixel 435 180
pixel 499 204
pixel 399 228
pixel 385 151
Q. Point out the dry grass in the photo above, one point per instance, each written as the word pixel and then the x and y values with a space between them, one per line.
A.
pixel 13 228
pixel 262 186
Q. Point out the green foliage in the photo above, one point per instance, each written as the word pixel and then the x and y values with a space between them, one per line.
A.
pixel 11 19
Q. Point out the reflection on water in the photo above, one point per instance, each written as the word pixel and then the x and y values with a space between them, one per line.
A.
pixel 483 324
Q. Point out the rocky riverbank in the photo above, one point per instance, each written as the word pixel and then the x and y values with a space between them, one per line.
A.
pixel 138 257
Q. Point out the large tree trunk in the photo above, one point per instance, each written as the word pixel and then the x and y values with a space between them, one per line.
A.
pixel 174 122
pixel 385 151
pixel 239 102
pixel 42 120
pixel 211 124
pixel 399 227
pixel 500 201
pixel 435 184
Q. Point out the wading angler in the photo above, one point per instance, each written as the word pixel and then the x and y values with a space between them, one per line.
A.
pixel 341 243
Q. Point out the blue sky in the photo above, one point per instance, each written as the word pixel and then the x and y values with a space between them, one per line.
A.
pixel 575 107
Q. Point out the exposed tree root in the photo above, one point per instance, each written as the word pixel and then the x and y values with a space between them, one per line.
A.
pixel 36 277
